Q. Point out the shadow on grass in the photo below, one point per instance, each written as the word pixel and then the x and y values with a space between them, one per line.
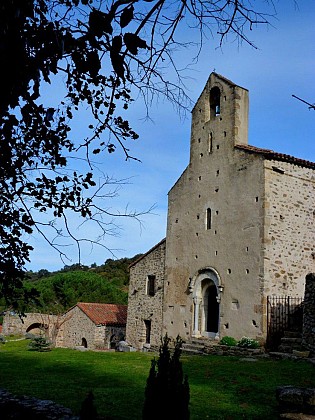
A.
pixel 229 388
pixel 66 377
pixel 220 387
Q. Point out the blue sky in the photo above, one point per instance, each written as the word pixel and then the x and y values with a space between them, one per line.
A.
pixel 283 64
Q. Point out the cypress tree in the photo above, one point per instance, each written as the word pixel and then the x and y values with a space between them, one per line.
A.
pixel 167 390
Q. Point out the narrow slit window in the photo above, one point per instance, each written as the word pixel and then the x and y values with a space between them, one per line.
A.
pixel 210 143
pixel 151 285
pixel 208 219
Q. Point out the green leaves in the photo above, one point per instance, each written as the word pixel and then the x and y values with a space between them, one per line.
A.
pixel 58 292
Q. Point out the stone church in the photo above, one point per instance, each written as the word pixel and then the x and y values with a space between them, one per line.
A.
pixel 240 228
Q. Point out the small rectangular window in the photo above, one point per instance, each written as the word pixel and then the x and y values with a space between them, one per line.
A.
pixel 147 324
pixel 151 285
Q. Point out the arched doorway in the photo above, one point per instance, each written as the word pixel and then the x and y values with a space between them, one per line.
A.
pixel 84 342
pixel 211 306
pixel 207 290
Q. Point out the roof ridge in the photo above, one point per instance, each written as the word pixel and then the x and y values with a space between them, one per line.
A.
pixel 271 154
pixel 148 252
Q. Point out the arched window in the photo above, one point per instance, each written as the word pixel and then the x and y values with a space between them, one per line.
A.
pixel 215 109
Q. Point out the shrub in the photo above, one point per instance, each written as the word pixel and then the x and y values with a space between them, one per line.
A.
pixel 248 343
pixel 167 391
pixel 2 339
pixel 88 410
pixel 40 343
pixel 228 341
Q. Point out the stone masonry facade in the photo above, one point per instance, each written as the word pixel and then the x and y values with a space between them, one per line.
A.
pixel 145 308
pixel 80 329
pixel 240 227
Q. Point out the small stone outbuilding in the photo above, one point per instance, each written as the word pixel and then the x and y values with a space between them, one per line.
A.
pixel 91 325
pixel 94 326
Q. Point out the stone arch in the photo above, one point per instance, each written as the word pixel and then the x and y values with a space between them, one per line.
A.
pixel 207 288
pixel 84 342
pixel 37 328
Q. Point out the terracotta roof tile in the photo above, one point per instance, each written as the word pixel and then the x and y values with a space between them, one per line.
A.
pixel 270 154
pixel 105 313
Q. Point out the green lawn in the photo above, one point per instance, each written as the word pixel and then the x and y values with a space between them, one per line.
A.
pixel 220 387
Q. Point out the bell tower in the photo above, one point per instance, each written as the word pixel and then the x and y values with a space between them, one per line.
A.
pixel 219 118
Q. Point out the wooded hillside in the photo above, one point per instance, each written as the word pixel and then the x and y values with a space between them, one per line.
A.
pixel 60 290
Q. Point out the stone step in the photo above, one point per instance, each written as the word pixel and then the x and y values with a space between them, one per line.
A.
pixel 199 341
pixel 193 346
pixel 280 355
pixel 288 349
pixel 192 351
pixel 291 340
pixel 292 334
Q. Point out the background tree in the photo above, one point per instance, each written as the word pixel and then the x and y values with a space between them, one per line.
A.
pixel 105 53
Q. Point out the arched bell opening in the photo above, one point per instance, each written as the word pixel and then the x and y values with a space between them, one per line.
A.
pixel 215 102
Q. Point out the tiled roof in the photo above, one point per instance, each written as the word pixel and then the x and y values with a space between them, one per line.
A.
pixel 271 155
pixel 105 313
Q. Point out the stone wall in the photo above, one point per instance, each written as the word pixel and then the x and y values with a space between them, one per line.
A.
pixel 33 323
pixel 289 229
pixel 13 407
pixel 79 329
pixel 308 335
pixel 296 403
pixel 141 305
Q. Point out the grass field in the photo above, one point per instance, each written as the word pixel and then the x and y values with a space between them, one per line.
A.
pixel 221 387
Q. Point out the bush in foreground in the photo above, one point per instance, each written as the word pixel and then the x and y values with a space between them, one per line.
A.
pixel 228 341
pixel 40 343
pixel 244 342
pixel 248 343
pixel 167 391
